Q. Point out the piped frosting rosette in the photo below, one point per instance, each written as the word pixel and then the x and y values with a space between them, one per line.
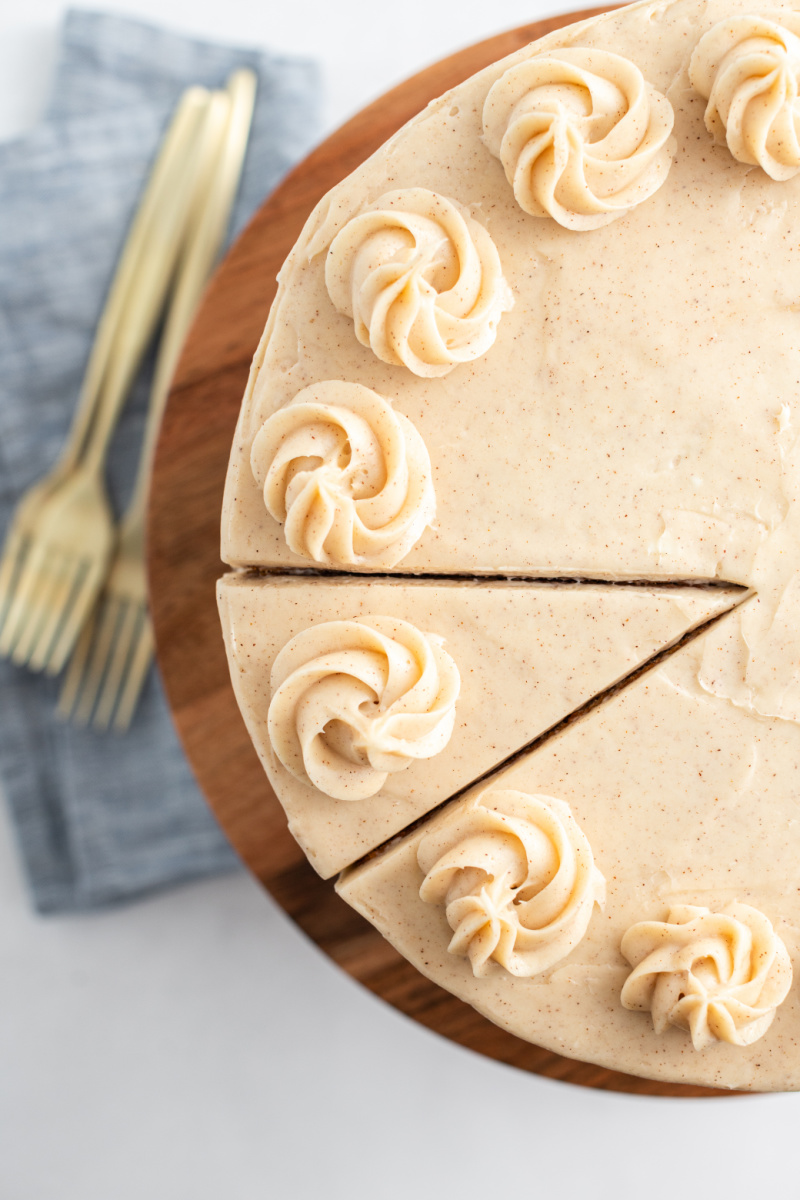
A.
pixel 747 69
pixel 347 476
pixel 581 135
pixel 355 701
pixel 421 280
pixel 720 976
pixel 517 880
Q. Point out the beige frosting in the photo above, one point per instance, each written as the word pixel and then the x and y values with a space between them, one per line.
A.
pixel 355 701
pixel 718 975
pixel 347 477
pixel 516 878
pixel 421 280
pixel 747 67
pixel 581 135
pixel 634 420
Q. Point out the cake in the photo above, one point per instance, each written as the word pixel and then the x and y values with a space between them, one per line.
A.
pixel 514 615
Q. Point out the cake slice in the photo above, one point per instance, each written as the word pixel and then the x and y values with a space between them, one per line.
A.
pixel 688 805
pixel 370 702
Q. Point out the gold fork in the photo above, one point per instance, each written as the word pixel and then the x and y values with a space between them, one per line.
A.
pixel 22 531
pixel 116 646
pixel 68 529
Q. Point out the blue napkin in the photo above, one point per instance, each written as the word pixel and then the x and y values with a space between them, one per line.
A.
pixel 101 818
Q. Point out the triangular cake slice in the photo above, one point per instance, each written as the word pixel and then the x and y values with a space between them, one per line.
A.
pixel 687 802
pixel 370 702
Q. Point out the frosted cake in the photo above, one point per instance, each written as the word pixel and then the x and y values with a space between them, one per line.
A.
pixel 511 508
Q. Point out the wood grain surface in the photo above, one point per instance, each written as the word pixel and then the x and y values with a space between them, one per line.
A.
pixel 184 562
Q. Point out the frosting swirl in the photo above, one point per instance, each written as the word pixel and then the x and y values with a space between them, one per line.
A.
pixel 747 69
pixel 421 280
pixel 355 701
pixel 581 135
pixel 347 476
pixel 720 976
pixel 517 880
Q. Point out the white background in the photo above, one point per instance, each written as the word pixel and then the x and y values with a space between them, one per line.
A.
pixel 195 1046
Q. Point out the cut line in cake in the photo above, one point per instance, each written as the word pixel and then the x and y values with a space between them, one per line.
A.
pixel 256 572
pixel 638 763
pixel 595 702
pixel 312 663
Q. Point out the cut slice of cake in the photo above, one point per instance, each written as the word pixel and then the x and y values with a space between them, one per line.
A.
pixel 370 702
pixel 686 806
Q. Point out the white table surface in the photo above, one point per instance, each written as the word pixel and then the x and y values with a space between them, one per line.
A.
pixel 196 1045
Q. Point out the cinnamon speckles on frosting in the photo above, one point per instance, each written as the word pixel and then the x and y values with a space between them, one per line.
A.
pixel 581 135
pixel 747 68
pixel 355 701
pixel 348 478
pixel 421 280
pixel 720 976
pixel 516 878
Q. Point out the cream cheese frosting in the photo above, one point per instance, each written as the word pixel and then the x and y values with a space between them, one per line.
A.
pixel 421 280
pixel 748 68
pixel 517 880
pixel 355 701
pixel 581 135
pixel 348 478
pixel 720 976
pixel 633 183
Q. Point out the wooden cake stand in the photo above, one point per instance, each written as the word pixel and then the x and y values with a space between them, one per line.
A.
pixel 184 562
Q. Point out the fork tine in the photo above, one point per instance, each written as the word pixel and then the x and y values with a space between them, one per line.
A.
pixel 72 683
pixel 140 661
pixel 15 550
pixel 46 589
pixel 56 605
pixel 82 603
pixel 116 669
pixel 105 629
pixel 20 608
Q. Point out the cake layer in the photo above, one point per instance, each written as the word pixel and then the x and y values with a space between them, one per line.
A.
pixel 688 803
pixel 526 656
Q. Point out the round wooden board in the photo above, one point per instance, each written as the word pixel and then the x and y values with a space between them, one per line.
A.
pixel 184 562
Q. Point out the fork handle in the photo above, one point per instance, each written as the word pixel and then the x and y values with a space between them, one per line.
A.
pixel 152 277
pixel 217 189
pixel 179 133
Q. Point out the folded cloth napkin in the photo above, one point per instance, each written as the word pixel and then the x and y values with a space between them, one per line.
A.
pixel 101 818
